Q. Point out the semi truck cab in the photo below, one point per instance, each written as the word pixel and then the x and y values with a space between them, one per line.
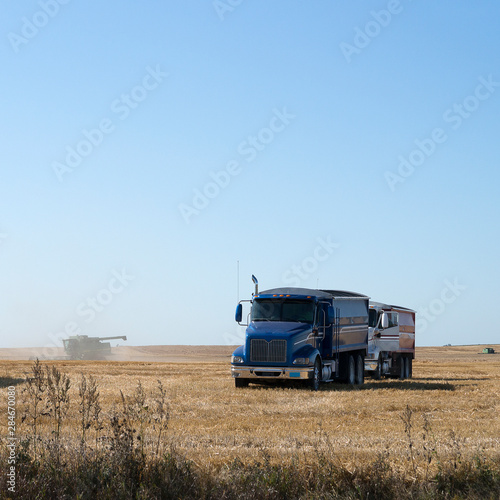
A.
pixel 391 341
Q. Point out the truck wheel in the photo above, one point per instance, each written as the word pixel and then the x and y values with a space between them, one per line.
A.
pixel 240 382
pixel 410 367
pixel 360 370
pixel 314 381
pixel 377 374
pixel 401 366
pixel 407 367
pixel 351 371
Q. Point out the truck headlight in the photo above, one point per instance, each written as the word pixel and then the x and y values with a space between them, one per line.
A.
pixel 236 359
pixel 301 361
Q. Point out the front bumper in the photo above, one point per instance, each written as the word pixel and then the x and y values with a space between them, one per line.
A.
pixel 272 372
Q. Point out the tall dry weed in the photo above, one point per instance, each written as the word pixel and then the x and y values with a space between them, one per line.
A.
pixel 89 407
pixel 162 413
pixel 33 393
pixel 58 398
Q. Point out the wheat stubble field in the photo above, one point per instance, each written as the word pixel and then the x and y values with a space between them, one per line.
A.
pixel 435 435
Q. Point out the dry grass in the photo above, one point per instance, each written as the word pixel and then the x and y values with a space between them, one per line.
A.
pixel 447 413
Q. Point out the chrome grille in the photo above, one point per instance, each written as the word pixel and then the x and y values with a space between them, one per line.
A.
pixel 268 352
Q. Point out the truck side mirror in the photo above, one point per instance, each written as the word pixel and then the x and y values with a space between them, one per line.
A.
pixel 330 315
pixel 239 313
pixel 385 321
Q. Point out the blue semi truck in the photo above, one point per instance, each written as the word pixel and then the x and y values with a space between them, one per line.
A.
pixel 304 335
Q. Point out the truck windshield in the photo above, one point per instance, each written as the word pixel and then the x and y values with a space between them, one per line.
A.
pixel 301 311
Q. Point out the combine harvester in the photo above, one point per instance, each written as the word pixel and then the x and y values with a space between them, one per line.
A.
pixel 85 347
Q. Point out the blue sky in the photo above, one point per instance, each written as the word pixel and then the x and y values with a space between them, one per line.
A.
pixel 148 147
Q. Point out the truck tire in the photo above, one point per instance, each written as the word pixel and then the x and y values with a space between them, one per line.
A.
pixel 401 368
pixel 351 370
pixel 377 374
pixel 241 382
pixel 407 367
pixel 410 367
pixel 316 378
pixel 360 370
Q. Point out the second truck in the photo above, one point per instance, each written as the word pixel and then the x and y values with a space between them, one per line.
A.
pixel 391 341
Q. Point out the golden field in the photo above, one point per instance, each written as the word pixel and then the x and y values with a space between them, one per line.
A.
pixel 447 413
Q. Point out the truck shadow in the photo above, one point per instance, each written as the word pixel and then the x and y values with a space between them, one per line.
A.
pixel 456 379
pixel 409 385
pixel 403 385
pixel 9 382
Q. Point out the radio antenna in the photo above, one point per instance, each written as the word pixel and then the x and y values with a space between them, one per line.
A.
pixel 237 281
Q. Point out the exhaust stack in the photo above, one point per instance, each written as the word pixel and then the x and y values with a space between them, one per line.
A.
pixel 256 282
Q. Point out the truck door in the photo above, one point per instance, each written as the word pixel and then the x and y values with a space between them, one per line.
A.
pixel 388 326
pixel 336 333
pixel 317 331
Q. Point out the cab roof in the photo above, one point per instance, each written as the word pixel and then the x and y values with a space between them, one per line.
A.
pixel 309 292
pixel 381 305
